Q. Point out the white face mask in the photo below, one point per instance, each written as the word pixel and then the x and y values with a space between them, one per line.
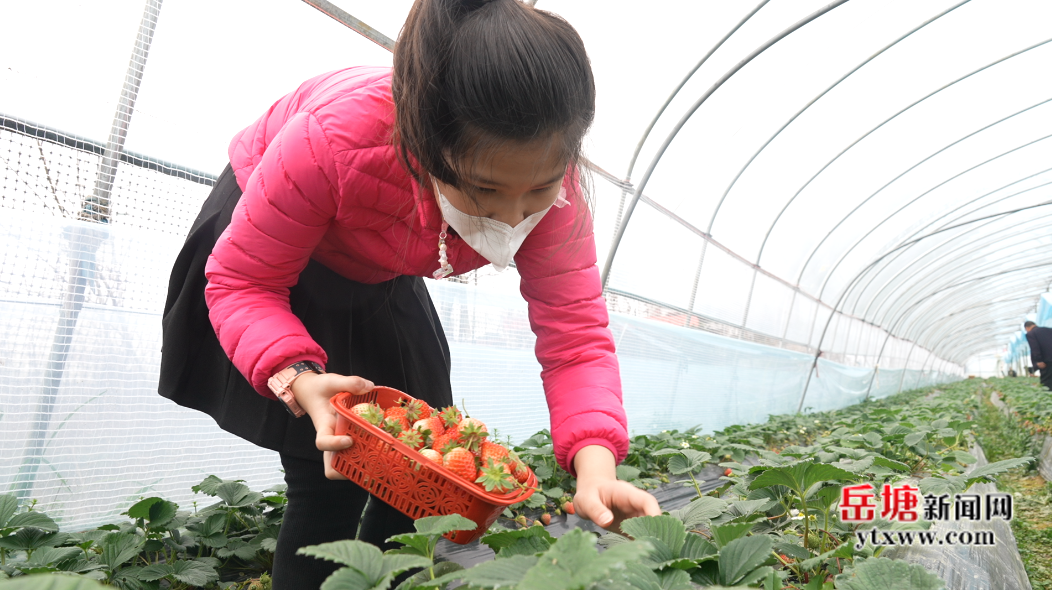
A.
pixel 495 240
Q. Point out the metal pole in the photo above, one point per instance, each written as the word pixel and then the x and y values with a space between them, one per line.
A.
pixel 686 117
pixel 84 241
pixel 343 17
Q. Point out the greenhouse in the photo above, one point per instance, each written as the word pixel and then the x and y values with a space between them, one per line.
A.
pixel 822 243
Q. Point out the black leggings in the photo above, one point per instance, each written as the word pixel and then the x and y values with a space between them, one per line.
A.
pixel 322 510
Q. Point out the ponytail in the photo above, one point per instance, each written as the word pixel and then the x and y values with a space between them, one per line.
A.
pixel 470 74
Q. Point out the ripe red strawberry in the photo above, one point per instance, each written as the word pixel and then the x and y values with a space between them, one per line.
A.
pixel 450 416
pixel 417 410
pixel 518 468
pixel 393 426
pixel 728 472
pixel 430 427
pixel 473 433
pixel 397 413
pixel 412 438
pixel 444 442
pixel 461 462
pixel 568 507
pixel 433 455
pixel 495 477
pixel 369 412
pixel 493 451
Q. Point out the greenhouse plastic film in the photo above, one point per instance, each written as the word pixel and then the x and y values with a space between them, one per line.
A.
pixel 972 567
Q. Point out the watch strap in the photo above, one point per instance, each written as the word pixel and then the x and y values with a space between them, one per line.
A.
pixel 281 384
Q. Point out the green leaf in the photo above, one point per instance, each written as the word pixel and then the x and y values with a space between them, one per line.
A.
pixel 700 511
pixel 942 484
pixel 914 438
pixel 193 573
pixel 157 571
pixel 209 486
pixel 724 534
pixel 986 472
pixel 424 579
pixel 503 573
pixel 396 564
pixel 8 505
pixel 498 541
pixel 697 547
pixel 674 579
pixel 741 556
pixel 215 523
pixel 962 457
pixel 668 529
pixel 440 525
pixel 792 550
pixel 802 477
pixel 29 539
pixel 352 579
pixel 236 494
pixel 37 520
pixel 557 492
pixel 118 548
pixel 141 509
pixel 626 473
pixel 238 548
pixel 525 546
pixel 413 544
pixel 685 460
pixel 574 562
pixel 888 574
pixel 883 461
pixel 52 582
pixel 162 513
pixel 359 555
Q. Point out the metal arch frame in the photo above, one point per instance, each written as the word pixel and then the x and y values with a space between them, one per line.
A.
pixel 985 307
pixel 848 289
pixel 605 276
pixel 918 290
pixel 716 211
pixel 904 314
pixel 966 352
pixel 885 122
pixel 843 220
pixel 935 331
pixel 951 350
pixel 886 265
pixel 978 248
pixel 843 256
pixel 914 240
pixel 942 329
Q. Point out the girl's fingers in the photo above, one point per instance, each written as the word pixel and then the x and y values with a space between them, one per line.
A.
pixel 355 385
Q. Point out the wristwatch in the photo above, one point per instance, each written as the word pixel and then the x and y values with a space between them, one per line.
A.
pixel 281 384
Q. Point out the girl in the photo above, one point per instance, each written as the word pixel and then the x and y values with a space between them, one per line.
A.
pixel 303 270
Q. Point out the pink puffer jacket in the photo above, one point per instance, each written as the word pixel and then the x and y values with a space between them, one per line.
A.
pixel 321 180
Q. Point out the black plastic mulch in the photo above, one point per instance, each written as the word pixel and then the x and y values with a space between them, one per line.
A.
pixel 670 496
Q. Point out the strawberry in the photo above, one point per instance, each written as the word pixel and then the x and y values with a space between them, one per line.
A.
pixel 393 426
pixel 727 472
pixel 461 462
pixel 521 520
pixel 518 468
pixel 473 433
pixel 444 442
pixel 417 410
pixel 568 507
pixel 412 438
pixel 546 519
pixel 371 413
pixel 493 451
pixel 397 413
pixel 433 455
pixel 495 477
pixel 450 416
pixel 429 427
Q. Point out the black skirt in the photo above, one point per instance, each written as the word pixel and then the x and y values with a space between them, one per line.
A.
pixel 388 333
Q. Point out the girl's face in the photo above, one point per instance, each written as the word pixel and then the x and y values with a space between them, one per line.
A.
pixel 514 182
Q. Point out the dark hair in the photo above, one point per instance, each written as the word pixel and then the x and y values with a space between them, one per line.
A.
pixel 472 74
pixel 1028 324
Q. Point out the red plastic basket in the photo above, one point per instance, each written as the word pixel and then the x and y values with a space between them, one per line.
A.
pixel 413 484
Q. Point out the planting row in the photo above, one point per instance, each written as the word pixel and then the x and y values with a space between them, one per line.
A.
pixel 776 520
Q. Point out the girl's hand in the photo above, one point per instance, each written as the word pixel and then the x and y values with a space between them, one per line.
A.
pixel 600 497
pixel 312 393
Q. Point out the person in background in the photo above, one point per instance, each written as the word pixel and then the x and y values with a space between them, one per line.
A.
pixel 302 275
pixel 1040 341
